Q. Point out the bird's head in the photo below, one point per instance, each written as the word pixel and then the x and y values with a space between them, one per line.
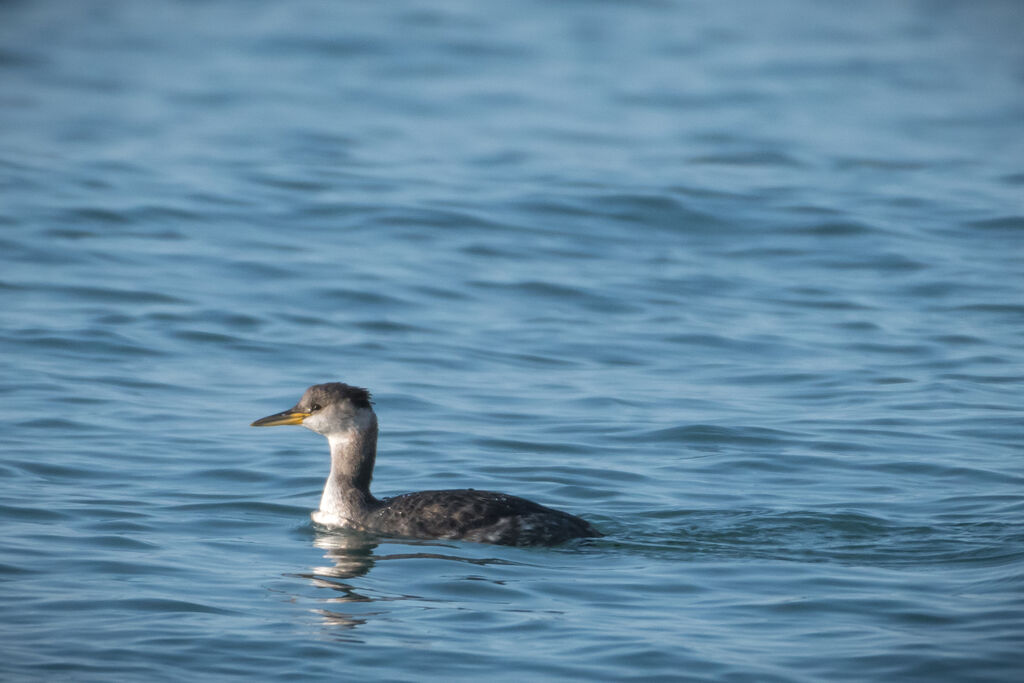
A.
pixel 327 409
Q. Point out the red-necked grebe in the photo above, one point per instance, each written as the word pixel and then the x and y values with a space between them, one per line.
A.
pixel 345 416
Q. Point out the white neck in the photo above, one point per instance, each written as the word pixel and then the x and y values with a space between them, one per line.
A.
pixel 347 497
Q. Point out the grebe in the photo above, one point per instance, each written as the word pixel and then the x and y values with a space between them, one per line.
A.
pixel 344 415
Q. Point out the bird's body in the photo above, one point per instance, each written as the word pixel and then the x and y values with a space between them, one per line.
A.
pixel 345 416
pixel 468 515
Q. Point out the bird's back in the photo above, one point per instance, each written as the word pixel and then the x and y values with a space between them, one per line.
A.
pixel 481 516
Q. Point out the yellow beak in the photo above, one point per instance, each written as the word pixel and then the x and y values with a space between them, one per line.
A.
pixel 287 417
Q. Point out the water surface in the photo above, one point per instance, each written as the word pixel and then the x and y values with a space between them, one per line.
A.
pixel 740 284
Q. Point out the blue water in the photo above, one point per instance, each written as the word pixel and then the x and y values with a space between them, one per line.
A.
pixel 740 283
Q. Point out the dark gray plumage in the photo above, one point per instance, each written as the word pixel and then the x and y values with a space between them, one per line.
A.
pixel 344 414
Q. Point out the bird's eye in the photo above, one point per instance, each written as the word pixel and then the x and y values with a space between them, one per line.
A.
pixel 315 407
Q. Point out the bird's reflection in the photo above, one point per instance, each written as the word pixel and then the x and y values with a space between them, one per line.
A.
pixel 352 555
pixel 350 551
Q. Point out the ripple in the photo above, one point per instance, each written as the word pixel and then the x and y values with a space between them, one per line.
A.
pixel 703 434
pixel 31 514
pixel 762 158
pixel 145 605
pixel 204 337
pixel 114 295
pixel 88 342
pixel 576 296
pixel 1009 224
pixel 244 506
pixel 836 229
pixel 360 297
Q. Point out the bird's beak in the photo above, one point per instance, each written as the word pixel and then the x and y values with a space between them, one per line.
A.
pixel 287 417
